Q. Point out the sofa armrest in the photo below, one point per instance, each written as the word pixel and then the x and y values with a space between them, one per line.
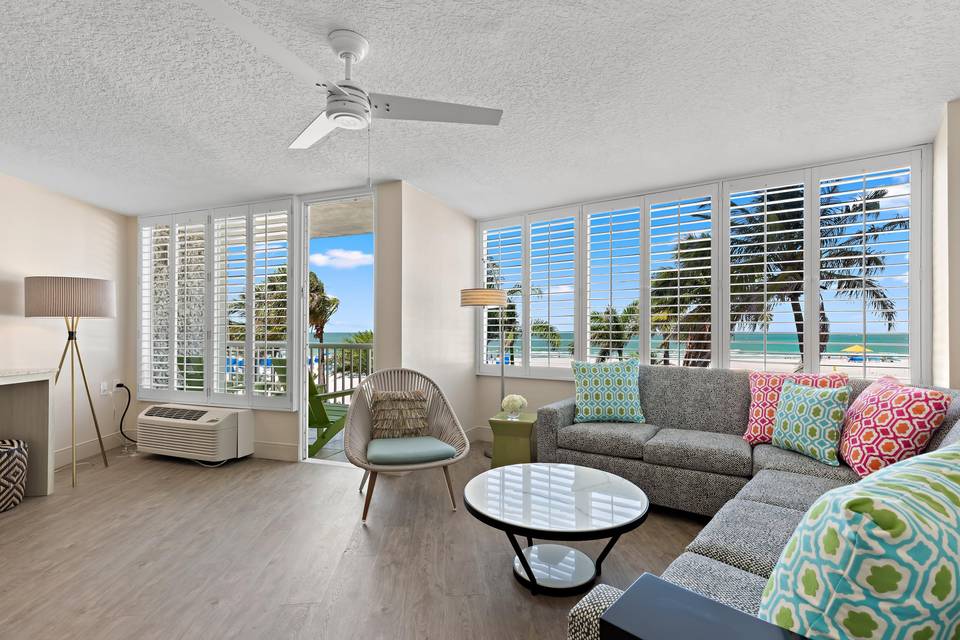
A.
pixel 654 609
pixel 550 419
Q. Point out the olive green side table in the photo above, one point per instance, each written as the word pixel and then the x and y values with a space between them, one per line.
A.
pixel 512 439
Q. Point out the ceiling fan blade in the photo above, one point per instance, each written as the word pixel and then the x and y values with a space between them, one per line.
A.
pixel 256 36
pixel 400 108
pixel 314 132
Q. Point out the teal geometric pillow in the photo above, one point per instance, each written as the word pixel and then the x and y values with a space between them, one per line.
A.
pixel 809 420
pixel 876 560
pixel 608 391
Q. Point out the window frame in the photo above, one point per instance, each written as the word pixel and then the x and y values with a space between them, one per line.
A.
pixel 289 401
pixel 918 158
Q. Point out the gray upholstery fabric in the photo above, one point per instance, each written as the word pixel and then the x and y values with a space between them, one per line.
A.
pixel 622 439
pixel 786 489
pixel 583 621
pixel 550 419
pixel 747 535
pixel 716 400
pixel 948 432
pixel 699 450
pixel 767 456
pixel 694 491
pixel 728 585
pixel 948 436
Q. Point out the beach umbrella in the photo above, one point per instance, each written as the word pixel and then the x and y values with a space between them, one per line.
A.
pixel 857 348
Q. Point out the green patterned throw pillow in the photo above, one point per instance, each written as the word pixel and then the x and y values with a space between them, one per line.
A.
pixel 608 391
pixel 876 560
pixel 809 420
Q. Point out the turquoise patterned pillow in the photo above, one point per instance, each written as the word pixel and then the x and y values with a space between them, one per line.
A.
pixel 608 391
pixel 809 420
pixel 876 560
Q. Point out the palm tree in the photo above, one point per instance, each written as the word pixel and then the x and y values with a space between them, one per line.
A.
pixel 766 267
pixel 611 330
pixel 320 309
pixel 508 316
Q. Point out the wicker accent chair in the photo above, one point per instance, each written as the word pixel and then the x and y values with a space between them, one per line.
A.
pixel 442 424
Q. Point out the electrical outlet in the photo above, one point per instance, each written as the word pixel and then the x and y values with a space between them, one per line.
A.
pixel 113 387
pixel 104 390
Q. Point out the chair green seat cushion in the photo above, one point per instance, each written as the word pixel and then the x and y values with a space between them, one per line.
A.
pixel 402 451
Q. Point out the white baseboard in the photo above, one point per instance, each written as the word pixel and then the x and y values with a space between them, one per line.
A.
pixel 480 434
pixel 284 451
pixel 88 448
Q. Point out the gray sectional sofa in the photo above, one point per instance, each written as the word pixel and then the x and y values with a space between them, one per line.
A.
pixel 690 455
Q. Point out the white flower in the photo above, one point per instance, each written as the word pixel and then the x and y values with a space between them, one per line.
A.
pixel 513 403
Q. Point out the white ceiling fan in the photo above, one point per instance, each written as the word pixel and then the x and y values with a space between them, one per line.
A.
pixel 349 105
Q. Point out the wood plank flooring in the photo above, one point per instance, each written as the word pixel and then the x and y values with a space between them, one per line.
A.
pixel 159 548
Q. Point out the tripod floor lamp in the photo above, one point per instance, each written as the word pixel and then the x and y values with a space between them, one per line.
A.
pixel 71 299
pixel 496 298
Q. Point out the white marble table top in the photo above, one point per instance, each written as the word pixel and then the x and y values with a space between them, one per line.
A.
pixel 556 498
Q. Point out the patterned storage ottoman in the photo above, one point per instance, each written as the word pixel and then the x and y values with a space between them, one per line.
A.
pixel 13 472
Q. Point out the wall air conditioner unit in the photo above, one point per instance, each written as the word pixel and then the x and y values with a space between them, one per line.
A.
pixel 211 434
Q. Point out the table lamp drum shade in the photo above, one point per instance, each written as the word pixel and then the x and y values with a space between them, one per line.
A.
pixel 66 297
pixel 483 298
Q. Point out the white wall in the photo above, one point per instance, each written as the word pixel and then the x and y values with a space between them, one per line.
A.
pixel 45 233
pixel 946 249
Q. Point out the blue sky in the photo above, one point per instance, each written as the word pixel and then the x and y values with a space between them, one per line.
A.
pixel 345 266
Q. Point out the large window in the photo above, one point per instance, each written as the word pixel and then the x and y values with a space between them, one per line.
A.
pixel 811 270
pixel 214 306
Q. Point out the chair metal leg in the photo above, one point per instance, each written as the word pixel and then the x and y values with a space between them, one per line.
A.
pixel 366 474
pixel 366 502
pixel 446 475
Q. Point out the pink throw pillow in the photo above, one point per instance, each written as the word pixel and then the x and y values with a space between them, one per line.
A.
pixel 765 396
pixel 890 422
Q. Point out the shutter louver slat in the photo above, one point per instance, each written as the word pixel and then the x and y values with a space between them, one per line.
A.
pixel 270 255
pixel 190 300
pixel 155 307
pixel 864 262
pixel 766 278
pixel 503 269
pixel 613 283
pixel 552 299
pixel 229 308
pixel 681 282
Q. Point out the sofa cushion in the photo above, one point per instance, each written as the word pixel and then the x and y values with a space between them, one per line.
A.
pixel 402 451
pixel 700 451
pixel 876 559
pixel 718 581
pixel 787 489
pixel 747 535
pixel 767 456
pixel 621 439
pixel 607 391
pixel 809 421
pixel 765 390
pixel 707 399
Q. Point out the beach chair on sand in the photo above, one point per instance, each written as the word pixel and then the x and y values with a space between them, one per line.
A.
pixel 325 416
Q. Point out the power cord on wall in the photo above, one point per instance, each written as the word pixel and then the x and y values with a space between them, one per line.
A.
pixel 120 385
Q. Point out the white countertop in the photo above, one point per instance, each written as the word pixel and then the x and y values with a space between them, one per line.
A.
pixel 16 376
pixel 556 497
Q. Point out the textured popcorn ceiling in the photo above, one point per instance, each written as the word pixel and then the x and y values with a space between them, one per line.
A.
pixel 150 106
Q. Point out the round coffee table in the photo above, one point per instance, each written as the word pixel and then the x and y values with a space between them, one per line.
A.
pixel 563 502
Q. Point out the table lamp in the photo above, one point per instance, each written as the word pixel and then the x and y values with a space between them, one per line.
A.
pixel 71 299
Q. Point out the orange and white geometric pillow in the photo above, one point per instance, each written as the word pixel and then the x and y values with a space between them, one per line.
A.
pixel 890 422
pixel 765 390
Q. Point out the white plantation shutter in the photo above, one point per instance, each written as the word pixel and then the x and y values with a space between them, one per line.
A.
pixel 766 254
pixel 680 233
pixel 230 259
pixel 502 268
pixel 865 227
pixel 155 307
pixel 613 278
pixel 189 305
pixel 219 329
pixel 271 302
pixel 553 271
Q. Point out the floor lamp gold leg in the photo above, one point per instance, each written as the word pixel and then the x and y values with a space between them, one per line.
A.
pixel 73 417
pixel 96 424
pixel 66 347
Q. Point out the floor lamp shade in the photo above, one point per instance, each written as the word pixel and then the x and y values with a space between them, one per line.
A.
pixel 483 298
pixel 66 297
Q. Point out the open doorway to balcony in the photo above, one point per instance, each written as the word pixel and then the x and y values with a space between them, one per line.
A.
pixel 340 322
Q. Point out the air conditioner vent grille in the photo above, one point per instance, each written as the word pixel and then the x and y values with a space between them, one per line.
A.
pixel 176 413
